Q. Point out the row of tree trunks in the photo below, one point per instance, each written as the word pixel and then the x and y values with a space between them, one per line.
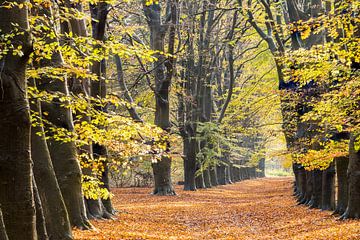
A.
pixel 222 175
pixel 317 189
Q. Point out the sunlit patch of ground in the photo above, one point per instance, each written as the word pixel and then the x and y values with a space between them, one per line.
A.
pixel 253 209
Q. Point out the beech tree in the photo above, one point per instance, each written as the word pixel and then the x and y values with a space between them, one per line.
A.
pixel 16 188
pixel 163 74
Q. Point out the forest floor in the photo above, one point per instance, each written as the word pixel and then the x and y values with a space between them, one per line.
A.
pixel 252 209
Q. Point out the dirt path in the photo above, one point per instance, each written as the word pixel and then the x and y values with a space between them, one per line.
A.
pixel 253 209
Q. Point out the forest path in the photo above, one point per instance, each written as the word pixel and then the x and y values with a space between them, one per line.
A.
pixel 252 209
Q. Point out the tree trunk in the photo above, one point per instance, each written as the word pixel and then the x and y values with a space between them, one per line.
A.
pixel 99 12
pixel 16 188
pixel 342 190
pixel 163 74
pixel 221 168
pixel 40 219
pixel 302 185
pixel 328 188
pixel 55 213
pixel 3 234
pixel 199 180
pixel 317 187
pixel 309 187
pixel 228 173
pixel 262 167
pixel 207 179
pixel 353 174
pixel 189 164
pixel 63 154
pixel 162 177
pixel 214 176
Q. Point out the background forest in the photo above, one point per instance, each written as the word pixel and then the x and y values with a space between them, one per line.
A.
pixel 96 94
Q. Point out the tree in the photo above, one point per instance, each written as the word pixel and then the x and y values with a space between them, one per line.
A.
pixel 16 187
pixel 163 74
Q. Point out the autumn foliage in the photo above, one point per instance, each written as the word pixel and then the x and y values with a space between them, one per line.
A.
pixel 253 209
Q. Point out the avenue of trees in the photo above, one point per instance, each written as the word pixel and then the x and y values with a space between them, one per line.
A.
pixel 89 87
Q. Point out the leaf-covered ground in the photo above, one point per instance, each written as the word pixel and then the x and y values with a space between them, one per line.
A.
pixel 253 209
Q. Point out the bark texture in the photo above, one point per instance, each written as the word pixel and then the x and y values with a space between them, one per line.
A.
pixel 55 213
pixel 353 173
pixel 16 188
pixel 342 191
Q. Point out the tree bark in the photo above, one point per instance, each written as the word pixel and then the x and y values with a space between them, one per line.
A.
pixel 221 169
pixel 328 188
pixel 16 188
pixel 309 187
pixel 40 219
pixel 163 74
pixel 3 234
pixel 353 174
pixel 214 176
pixel 189 164
pixel 317 187
pixel 100 207
pixel 55 213
pixel 342 190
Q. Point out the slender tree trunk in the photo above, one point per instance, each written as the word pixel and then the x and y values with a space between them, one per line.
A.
pixel 16 188
pixel 99 12
pixel 342 191
pixel 40 219
pixel 214 176
pixel 3 234
pixel 228 173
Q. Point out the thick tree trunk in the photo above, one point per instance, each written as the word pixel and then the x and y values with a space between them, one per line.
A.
pixel 55 213
pixel 317 187
pixel 163 74
pixel 63 154
pixel 342 183
pixel 16 188
pixel 353 173
pixel 68 173
pixel 328 188
pixel 162 176
pixel 189 163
